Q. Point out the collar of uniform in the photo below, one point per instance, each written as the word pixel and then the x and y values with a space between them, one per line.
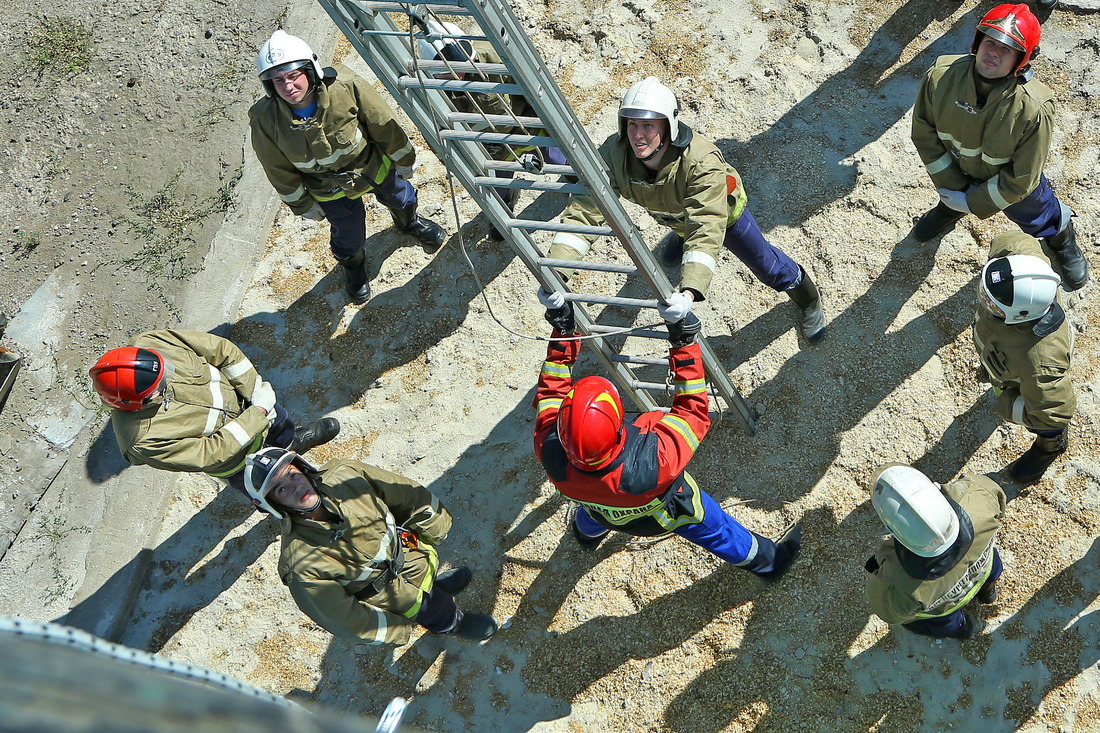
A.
pixel 323 532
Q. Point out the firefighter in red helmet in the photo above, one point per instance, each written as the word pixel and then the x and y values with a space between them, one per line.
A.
pixel 627 472
pixel 192 401
pixel 982 124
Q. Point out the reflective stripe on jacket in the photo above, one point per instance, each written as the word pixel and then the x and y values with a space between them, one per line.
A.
pixel 345 149
pixel 898 598
pixel 645 490
pixel 1032 372
pixel 1000 148
pixel 696 193
pixel 327 567
pixel 201 422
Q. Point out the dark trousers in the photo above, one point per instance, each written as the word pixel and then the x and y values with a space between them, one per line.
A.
pixel 347 216
pixel 1039 213
pixel 949 625
pixel 438 611
pixel 769 263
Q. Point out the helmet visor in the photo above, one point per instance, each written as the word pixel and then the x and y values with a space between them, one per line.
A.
pixel 640 114
pixel 990 305
pixel 281 69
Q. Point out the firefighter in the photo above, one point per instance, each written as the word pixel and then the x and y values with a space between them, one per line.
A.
pixel 326 138
pixel 358 551
pixel 444 42
pixel 982 125
pixel 627 473
pixel 940 552
pixel 1025 346
pixel 192 401
pixel 682 180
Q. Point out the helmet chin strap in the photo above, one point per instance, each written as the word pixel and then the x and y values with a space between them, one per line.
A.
pixel 655 153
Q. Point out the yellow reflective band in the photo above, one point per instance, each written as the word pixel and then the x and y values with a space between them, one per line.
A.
pixel 681 426
pixel 550 403
pixel 383 170
pixel 662 517
pixel 429 579
pixel 554 369
pixel 256 445
pixel 605 397
pixel 690 386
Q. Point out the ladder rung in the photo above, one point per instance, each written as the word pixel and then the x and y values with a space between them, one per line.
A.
pixel 524 184
pixel 582 265
pixel 500 120
pixel 645 360
pixel 640 333
pixel 662 387
pixel 612 300
pixel 532 225
pixel 455 85
pixel 461 67
pixel 499 137
pixel 450 7
pixel 549 168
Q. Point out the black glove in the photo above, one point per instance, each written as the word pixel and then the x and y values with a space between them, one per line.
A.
pixel 684 331
pixel 562 318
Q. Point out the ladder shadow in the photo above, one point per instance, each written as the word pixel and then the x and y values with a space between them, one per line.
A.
pixel 845 113
pixel 315 369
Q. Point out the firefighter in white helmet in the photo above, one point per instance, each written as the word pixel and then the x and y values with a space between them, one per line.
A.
pixel 325 139
pixel 982 124
pixel 940 553
pixel 1025 346
pixel 683 181
pixel 358 551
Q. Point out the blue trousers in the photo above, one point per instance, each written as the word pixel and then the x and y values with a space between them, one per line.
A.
pixel 718 532
pixel 1039 213
pixel 769 263
pixel 347 216
pixel 950 624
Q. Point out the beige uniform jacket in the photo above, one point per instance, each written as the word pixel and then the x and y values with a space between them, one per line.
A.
pixel 898 598
pixel 325 565
pixel 1032 372
pixel 345 149
pixel 1000 149
pixel 695 192
pixel 202 421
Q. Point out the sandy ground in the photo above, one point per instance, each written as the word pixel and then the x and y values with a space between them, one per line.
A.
pixel 811 102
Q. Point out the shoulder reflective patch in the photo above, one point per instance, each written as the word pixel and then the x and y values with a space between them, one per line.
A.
pixel 681 426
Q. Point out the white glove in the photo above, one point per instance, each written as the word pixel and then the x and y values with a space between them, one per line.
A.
pixel 263 396
pixel 954 199
pixel 316 213
pixel 679 305
pixel 553 300
pixel 405 171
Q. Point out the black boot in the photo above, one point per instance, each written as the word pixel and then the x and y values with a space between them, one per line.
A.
pixel 1034 462
pixel 1069 259
pixel 454 581
pixel 474 626
pixel 936 222
pixel 774 559
pixel 355 278
pixel 319 433
pixel 672 254
pixel 988 592
pixel 806 297
pixel 427 232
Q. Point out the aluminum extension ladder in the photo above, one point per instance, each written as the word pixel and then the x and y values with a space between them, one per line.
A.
pixel 458 139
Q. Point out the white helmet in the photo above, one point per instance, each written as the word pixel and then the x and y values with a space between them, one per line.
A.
pixel 261 466
pixel 914 510
pixel 284 52
pixel 436 45
pixel 1018 288
pixel 649 99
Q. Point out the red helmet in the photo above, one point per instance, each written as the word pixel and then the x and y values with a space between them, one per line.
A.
pixel 1013 25
pixel 590 423
pixel 125 377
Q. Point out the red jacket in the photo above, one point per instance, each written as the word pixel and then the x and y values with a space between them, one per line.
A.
pixel 645 490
